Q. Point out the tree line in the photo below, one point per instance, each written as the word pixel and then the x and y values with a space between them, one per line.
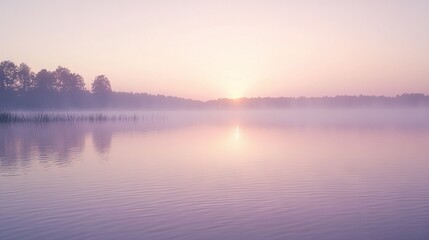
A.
pixel 21 88
pixel 21 79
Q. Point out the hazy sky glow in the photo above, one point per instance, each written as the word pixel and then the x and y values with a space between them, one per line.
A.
pixel 210 49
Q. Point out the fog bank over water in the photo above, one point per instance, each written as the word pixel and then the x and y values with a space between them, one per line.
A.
pixel 354 118
pixel 68 136
pixel 350 117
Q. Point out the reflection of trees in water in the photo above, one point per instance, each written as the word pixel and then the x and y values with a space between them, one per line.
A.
pixel 102 139
pixel 20 144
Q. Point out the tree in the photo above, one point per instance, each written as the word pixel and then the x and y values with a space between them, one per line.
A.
pixel 8 76
pixel 25 78
pixel 101 85
pixel 68 81
pixel 45 81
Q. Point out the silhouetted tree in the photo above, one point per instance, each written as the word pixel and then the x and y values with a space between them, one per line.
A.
pixel 25 78
pixel 8 76
pixel 45 81
pixel 68 81
pixel 101 85
pixel 102 91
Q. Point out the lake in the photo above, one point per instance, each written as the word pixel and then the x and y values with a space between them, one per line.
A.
pixel 293 174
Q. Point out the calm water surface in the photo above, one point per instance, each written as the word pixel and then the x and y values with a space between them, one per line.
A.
pixel 234 177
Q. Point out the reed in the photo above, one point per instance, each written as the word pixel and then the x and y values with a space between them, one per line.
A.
pixel 9 117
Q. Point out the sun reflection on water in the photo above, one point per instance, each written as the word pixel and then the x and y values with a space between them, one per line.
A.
pixel 237 133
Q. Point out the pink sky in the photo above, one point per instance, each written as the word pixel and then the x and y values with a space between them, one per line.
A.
pixel 209 49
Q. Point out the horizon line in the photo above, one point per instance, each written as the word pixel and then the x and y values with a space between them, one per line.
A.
pixel 282 96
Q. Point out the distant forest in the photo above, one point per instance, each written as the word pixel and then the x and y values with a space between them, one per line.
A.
pixel 61 89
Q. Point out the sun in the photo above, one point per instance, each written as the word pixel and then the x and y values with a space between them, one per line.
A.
pixel 235 84
pixel 236 96
pixel 236 91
